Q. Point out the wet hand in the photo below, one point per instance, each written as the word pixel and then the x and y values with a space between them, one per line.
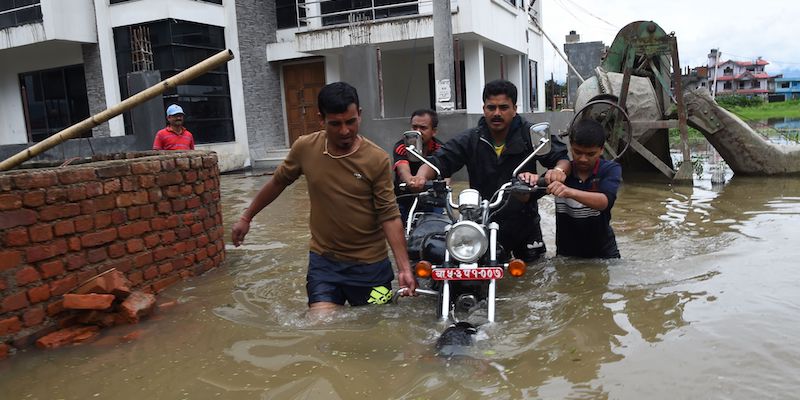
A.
pixel 239 231
pixel 555 175
pixel 416 183
pixel 406 280
pixel 528 178
pixel 558 189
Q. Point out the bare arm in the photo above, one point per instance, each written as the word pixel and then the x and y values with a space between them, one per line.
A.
pixel 595 200
pixel 393 230
pixel 403 171
pixel 268 193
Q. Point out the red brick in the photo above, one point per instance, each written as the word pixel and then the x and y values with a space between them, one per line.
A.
pixel 20 217
pixel 111 171
pixel 119 217
pixel 168 237
pixel 129 183
pixel 165 268
pixel 140 198
pixel 74 243
pixel 33 316
pixel 151 240
pixel 162 284
pixel 143 259
pixel 93 189
pixel 55 307
pixel 96 255
pixel 9 326
pixel 59 211
pixel 99 318
pixel 16 237
pixel 146 167
pixel 199 188
pixel 56 195
pixel 158 223
pixel 182 163
pixel 112 282
pixel 40 233
pixel 201 254
pixel 164 207
pixel 163 253
pixel 35 180
pixel 147 211
pixel 10 201
pixel 124 264
pixel 27 275
pixel 70 335
pixel 212 250
pixel 135 229
pixel 167 165
pixel 154 195
pixel 179 247
pixel 3 284
pixel 191 245
pixel 69 176
pixel 193 203
pixel 87 207
pixel 4 350
pixel 52 268
pixel 116 250
pixel 137 305
pixel 99 238
pixel 76 193
pixel 133 213
pixel 45 251
pixel 183 233
pixel 188 219
pixel 190 176
pixel 196 162
pixel 136 278
pixel 14 302
pixel 124 200
pixel 169 178
pixel 63 285
pixel 107 202
pixel 178 205
pixel 91 301
pixel 197 228
pixel 150 273
pixel 75 261
pixel 102 220
pixel 173 221
pixel 202 241
pixel 134 245
pixel 147 181
pixel 83 223
pixel 10 259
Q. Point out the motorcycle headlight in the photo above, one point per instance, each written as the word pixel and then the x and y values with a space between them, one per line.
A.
pixel 466 241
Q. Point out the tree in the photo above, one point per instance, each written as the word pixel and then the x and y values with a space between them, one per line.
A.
pixel 551 89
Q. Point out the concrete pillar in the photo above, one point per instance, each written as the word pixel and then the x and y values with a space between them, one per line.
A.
pixel 95 87
pixel 514 74
pixel 256 24
pixel 474 76
pixel 444 74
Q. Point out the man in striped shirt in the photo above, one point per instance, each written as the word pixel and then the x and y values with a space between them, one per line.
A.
pixel 175 136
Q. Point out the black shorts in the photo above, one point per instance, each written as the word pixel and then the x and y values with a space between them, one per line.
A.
pixel 338 282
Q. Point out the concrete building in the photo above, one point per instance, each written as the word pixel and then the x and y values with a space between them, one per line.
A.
pixel 746 78
pixel 789 88
pixel 66 60
pixel 585 57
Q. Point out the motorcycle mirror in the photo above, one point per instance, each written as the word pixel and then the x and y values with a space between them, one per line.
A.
pixel 413 140
pixel 540 133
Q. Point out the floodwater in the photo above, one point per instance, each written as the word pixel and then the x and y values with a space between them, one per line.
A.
pixel 703 304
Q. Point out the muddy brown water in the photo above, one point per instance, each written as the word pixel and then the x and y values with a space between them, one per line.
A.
pixel 704 304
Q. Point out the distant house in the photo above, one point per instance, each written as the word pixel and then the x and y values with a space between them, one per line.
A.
pixel 746 78
pixel 789 88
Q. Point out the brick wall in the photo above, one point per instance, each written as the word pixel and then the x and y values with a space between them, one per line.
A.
pixel 153 215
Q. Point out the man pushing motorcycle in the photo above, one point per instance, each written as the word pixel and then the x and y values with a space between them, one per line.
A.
pixel 491 151
pixel 353 208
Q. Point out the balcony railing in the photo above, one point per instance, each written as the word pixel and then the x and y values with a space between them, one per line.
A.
pixel 22 15
pixel 319 13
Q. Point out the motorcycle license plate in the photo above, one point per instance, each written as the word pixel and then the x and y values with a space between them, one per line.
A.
pixel 467 274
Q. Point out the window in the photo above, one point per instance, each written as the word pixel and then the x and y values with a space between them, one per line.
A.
pixel 178 45
pixel 53 100
pixel 727 86
pixel 741 85
pixel 784 85
pixel 19 12
pixel 286 13
pixel 728 71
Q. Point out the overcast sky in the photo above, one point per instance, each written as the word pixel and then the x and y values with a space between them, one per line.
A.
pixel 742 30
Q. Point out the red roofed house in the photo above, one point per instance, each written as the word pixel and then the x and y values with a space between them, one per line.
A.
pixel 746 78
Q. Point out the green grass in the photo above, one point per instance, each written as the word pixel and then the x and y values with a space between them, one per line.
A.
pixel 694 136
pixel 787 109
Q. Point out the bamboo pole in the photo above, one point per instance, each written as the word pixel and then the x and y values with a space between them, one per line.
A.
pixel 127 104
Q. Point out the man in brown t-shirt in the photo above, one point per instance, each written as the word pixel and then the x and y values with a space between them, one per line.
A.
pixel 353 208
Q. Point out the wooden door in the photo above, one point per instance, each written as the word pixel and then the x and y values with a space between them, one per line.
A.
pixel 301 84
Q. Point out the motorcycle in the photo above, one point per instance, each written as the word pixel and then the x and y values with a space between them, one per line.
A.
pixel 456 254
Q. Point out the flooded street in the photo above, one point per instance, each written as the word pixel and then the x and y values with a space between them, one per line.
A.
pixel 703 304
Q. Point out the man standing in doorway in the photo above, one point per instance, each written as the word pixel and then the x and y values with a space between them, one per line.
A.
pixel 353 208
pixel 175 136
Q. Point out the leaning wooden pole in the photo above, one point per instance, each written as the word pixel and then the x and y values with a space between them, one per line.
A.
pixel 97 119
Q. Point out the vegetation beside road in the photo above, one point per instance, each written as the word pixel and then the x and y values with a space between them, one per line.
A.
pixel 755 109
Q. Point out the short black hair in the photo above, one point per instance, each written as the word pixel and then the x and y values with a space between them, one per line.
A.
pixel 500 86
pixel 336 97
pixel 587 132
pixel 427 111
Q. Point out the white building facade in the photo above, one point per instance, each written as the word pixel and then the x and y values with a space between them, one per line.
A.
pixel 63 60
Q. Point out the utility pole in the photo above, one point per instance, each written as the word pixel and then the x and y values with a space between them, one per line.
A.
pixel 443 55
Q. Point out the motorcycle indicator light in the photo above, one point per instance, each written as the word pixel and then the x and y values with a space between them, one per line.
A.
pixel 423 269
pixel 466 241
pixel 517 267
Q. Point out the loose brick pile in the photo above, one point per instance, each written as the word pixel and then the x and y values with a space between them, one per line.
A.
pixel 154 216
